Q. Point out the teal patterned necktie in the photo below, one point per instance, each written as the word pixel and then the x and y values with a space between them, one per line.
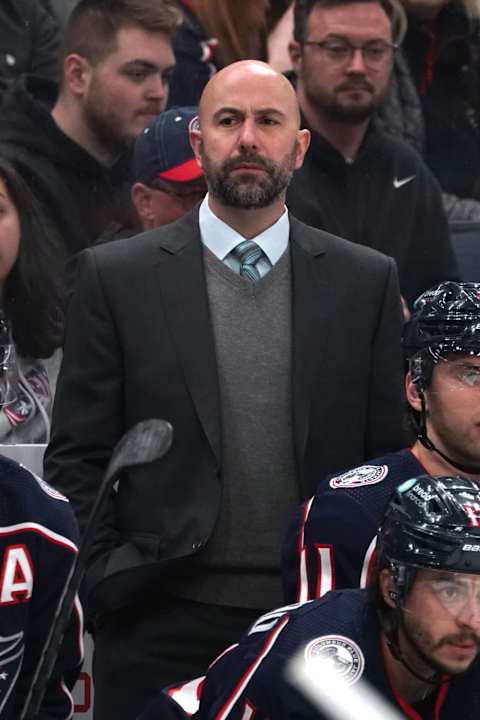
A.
pixel 248 254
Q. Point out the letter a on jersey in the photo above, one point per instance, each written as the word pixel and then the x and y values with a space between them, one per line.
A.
pixel 16 580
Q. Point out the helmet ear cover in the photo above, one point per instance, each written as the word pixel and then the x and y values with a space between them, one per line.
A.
pixel 403 577
pixel 420 367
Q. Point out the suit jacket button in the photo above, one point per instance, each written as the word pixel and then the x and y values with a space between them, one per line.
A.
pixel 196 545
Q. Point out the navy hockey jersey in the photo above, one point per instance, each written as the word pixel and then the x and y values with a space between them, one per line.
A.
pixel 38 543
pixel 178 702
pixel 249 683
pixel 330 543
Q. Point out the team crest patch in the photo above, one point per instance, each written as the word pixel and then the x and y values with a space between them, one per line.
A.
pixel 364 475
pixel 342 655
pixel 49 490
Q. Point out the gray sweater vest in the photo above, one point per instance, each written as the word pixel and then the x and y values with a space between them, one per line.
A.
pixel 252 331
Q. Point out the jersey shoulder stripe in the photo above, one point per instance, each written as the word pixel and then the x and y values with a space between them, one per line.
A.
pixel 31 527
pixel 252 669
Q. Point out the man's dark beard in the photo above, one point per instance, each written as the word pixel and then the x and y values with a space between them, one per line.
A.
pixel 347 114
pixel 423 653
pixel 245 191
pixel 106 132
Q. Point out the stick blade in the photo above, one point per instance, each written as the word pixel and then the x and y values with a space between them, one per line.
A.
pixel 145 442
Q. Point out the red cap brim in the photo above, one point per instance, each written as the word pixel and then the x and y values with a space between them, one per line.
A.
pixel 185 172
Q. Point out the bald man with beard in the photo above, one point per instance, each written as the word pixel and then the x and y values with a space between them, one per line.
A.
pixel 274 351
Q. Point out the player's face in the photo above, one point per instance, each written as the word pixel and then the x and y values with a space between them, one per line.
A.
pixel 346 90
pixel 249 143
pixel 453 408
pixel 441 621
pixel 129 87
pixel 9 233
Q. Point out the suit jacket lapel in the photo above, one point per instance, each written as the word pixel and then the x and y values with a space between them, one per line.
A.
pixel 309 323
pixel 183 289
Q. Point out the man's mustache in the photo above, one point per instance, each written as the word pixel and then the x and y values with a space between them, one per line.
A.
pixel 464 639
pixel 358 85
pixel 253 158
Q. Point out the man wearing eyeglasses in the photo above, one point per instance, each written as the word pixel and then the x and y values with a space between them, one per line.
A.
pixel 356 181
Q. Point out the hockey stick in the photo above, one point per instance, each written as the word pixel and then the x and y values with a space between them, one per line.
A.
pixel 145 442
pixel 335 698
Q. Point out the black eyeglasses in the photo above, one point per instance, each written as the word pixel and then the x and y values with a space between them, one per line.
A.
pixel 376 53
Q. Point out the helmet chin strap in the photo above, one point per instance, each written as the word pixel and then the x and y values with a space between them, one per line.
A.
pixel 394 647
pixel 428 444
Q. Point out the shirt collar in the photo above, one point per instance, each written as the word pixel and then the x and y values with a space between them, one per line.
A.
pixel 220 238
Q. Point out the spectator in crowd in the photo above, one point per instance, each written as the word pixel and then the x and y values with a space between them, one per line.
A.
pixel 356 181
pixel 29 40
pixel 280 36
pixel 195 58
pixel 238 325
pixel 414 636
pixel 442 347
pixel 442 47
pixel 168 181
pixel 214 33
pixel 31 320
pixel 38 543
pixel 117 60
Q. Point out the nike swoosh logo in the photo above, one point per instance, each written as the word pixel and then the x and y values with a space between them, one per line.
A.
pixel 403 181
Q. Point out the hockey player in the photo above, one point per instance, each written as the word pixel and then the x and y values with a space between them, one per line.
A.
pixel 414 634
pixel 38 542
pixel 331 541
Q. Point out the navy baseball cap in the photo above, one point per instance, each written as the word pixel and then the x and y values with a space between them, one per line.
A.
pixel 163 149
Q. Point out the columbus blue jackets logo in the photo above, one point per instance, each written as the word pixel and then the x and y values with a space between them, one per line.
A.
pixel 364 475
pixel 342 655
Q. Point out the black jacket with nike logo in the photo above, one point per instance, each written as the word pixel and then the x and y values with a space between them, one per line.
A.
pixel 386 199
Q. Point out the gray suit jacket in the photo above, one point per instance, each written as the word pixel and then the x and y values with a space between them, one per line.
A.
pixel 139 344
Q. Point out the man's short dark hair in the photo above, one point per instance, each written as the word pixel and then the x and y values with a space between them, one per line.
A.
pixel 93 26
pixel 303 8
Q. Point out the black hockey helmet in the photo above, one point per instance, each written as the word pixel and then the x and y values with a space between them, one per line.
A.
pixel 431 522
pixel 445 319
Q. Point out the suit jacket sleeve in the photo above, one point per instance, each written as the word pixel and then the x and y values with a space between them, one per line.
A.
pixel 90 378
pixel 386 388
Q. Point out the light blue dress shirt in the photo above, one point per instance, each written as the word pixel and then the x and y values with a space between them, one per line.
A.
pixel 221 239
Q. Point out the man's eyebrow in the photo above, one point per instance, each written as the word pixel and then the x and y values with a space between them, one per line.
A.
pixel 146 65
pixel 226 109
pixel 241 113
pixel 270 111
pixel 345 38
pixel 448 577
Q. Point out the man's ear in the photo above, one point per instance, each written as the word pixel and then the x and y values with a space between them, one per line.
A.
pixel 195 136
pixel 142 200
pixel 296 56
pixel 303 142
pixel 412 392
pixel 77 73
pixel 387 587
